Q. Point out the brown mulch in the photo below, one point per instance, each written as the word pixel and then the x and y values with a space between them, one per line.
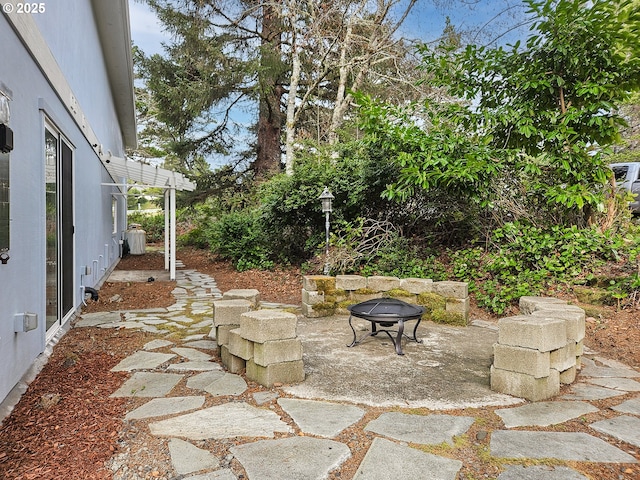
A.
pixel 67 426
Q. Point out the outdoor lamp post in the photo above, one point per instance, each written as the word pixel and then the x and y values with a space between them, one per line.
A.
pixel 326 198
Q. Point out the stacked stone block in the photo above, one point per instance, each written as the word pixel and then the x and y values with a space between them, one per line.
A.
pixel 323 295
pixel 226 318
pixel 539 350
pixel 263 343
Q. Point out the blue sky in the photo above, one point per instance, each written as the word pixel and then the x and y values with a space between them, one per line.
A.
pixel 426 21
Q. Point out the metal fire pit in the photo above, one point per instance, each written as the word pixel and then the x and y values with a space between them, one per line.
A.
pixel 386 312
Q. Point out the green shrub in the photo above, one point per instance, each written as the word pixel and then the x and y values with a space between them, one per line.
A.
pixel 238 236
pixel 526 260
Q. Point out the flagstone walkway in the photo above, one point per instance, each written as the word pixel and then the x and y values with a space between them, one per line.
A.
pixel 309 449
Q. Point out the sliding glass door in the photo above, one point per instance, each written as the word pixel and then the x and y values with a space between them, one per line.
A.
pixel 58 228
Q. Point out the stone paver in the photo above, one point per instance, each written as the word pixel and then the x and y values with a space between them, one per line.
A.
pixel 201 380
pixel 323 419
pixel 291 458
pixel 583 391
pixel 187 458
pixel 578 447
pixel 624 427
pixel 300 457
pixel 142 361
pixel 387 460
pixel 224 474
pixel 622 384
pixel 230 384
pixel 203 344
pixel 591 369
pixel 199 366
pixel 165 406
pixel 630 406
pixel 192 354
pixel 157 343
pixel 543 414
pixel 148 384
pixel 98 318
pixel 424 429
pixel 264 397
pixel 539 472
pixel 222 421
pixel 218 383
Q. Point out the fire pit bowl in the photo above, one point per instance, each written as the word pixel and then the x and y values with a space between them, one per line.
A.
pixel 386 312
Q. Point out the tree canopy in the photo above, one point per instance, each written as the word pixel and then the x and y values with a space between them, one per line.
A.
pixel 531 121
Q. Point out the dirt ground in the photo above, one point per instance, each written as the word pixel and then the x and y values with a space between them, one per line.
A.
pixel 66 426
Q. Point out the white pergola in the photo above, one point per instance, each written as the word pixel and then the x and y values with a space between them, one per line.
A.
pixel 147 176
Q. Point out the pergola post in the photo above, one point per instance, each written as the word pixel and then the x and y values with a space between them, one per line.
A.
pixel 172 213
pixel 166 229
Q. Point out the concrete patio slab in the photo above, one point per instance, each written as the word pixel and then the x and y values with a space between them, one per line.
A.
pixel 187 458
pixel 142 361
pixel 165 406
pixel 291 458
pixel 423 429
pixel 543 414
pixel 323 419
pixel 577 446
pixel 540 472
pixel 372 374
pixel 139 276
pixel 624 427
pixel 387 460
pixel 148 384
pixel 222 421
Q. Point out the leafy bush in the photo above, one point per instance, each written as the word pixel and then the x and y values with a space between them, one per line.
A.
pixel 526 260
pixel 238 236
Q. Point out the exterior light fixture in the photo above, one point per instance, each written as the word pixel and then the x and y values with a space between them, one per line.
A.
pixel 326 197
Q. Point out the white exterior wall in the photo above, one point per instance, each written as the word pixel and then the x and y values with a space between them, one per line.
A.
pixel 71 34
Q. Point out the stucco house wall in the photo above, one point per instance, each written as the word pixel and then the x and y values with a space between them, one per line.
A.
pixel 56 71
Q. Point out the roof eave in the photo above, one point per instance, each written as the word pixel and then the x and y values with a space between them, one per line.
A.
pixel 112 20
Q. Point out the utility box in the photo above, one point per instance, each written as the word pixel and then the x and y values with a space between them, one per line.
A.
pixel 25 322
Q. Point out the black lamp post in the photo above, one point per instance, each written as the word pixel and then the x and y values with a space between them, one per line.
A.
pixel 326 199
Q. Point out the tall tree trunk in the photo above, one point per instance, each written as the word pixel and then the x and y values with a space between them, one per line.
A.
pixel 269 113
pixel 291 105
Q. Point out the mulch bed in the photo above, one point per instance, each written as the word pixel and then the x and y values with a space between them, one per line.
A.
pixel 66 426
